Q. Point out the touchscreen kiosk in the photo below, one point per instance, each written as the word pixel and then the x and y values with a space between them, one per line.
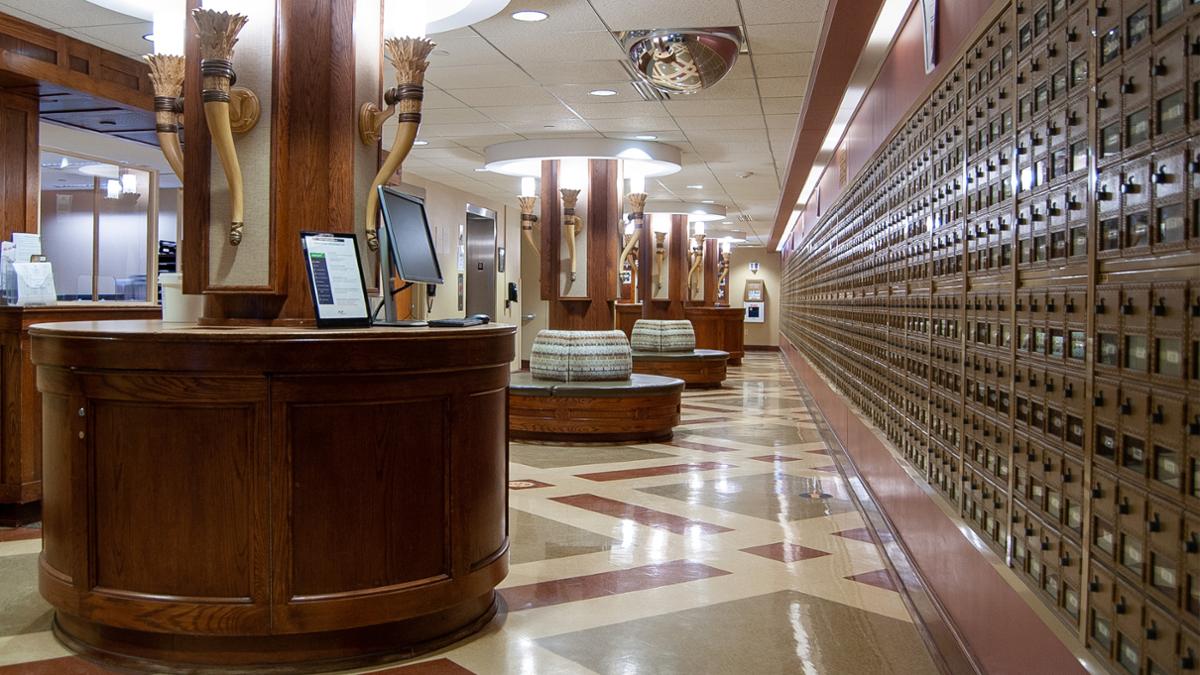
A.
pixel 335 279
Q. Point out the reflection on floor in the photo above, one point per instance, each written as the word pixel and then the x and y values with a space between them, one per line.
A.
pixel 734 548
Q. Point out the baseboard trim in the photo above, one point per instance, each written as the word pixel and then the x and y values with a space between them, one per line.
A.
pixel 761 348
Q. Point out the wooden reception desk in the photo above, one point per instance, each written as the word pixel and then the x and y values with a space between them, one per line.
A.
pixel 716 327
pixel 21 423
pixel 250 496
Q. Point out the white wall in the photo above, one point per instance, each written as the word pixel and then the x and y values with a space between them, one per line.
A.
pixel 759 334
pixel 446 208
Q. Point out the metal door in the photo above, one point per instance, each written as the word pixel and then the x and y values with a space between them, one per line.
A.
pixel 481 261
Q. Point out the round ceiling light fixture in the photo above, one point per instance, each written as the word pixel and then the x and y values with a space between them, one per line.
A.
pixel 695 212
pixel 602 92
pixel 683 61
pixel 646 137
pixel 524 158
pixel 530 15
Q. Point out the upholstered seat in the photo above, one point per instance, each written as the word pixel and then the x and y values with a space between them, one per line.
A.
pixel 696 354
pixel 636 385
pixel 572 355
pixel 663 335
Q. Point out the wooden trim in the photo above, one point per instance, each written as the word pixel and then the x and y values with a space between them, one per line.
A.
pixel 761 348
pixel 20 171
pixel 551 230
pixel 197 160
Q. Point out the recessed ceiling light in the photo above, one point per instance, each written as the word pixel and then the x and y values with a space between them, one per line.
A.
pixel 148 37
pixel 602 92
pixel 708 201
pixel 420 142
pixel 695 187
pixel 480 169
pixel 646 137
pixel 726 222
pixel 530 15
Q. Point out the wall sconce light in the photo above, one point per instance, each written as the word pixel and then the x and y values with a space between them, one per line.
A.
pixel 637 207
pixel 227 109
pixel 527 200
pixel 723 269
pixel 697 254
pixel 572 224
pixel 410 57
pixel 166 75
pixel 660 224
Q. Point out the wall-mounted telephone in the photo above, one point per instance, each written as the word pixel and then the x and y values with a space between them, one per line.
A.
pixel 512 295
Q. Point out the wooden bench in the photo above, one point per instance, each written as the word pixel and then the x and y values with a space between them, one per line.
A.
pixel 641 408
pixel 699 368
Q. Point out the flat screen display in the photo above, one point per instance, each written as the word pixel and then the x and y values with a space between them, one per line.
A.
pixel 408 236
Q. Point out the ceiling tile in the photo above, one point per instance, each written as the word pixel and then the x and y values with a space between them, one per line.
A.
pixel 452 116
pixel 784 123
pixel 572 94
pixel 561 16
pixel 783 65
pixel 645 14
pixel 583 72
pixel 634 124
pixel 565 47
pixel 783 38
pixel 436 98
pixel 782 11
pixel 726 89
pixel 689 107
pixel 549 126
pixel 499 96
pixel 627 109
pixel 71 13
pixel 459 130
pixel 472 77
pixel 676 138
pixel 783 105
pixel 469 50
pixel 526 113
pixel 776 87
pixel 723 123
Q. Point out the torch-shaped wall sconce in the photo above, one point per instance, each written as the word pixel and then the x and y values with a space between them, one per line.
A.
pixel 410 58
pixel 661 225
pixel 723 270
pixel 527 200
pixel 637 207
pixel 226 109
pixel 166 74
pixel 697 255
pixel 572 224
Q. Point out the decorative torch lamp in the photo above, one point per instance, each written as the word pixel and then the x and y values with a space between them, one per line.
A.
pixel 697 253
pixel 637 207
pixel 723 270
pixel 409 55
pixel 661 225
pixel 166 75
pixel 527 200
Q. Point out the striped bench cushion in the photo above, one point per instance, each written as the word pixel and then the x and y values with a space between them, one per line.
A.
pixel 660 335
pixel 580 356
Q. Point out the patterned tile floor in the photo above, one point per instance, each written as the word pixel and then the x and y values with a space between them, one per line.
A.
pixel 734 548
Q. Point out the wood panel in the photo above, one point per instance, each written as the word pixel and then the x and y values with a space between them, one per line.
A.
pixel 719 328
pixel 595 312
pixel 184 527
pixel 712 256
pixel 697 373
pixel 676 261
pixel 19 170
pixel 593 419
pixel 21 426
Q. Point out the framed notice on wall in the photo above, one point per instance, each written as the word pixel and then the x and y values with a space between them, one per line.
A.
pixel 756 291
pixel 755 312
pixel 335 279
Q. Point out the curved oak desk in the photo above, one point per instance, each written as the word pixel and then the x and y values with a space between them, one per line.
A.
pixel 271 496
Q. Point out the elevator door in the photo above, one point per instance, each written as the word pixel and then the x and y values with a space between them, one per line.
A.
pixel 481 261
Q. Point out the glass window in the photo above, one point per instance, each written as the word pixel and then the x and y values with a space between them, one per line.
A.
pixel 1168 356
pixel 1079 156
pixel 1171 113
pixel 1137 357
pixel 1131 553
pixel 1168 9
pixel 1057 343
pixel 1108 349
pixel 1137 26
pixel 1110 234
pixel 1079 71
pixel 1137 127
pixel 1110 46
pixel 1137 229
pixel 1169 226
pixel 1079 240
pixel 1166 467
pixel 1128 654
pixel 1110 140
pixel 1101 631
pixel 1133 453
pixel 1078 345
pixel 1106 443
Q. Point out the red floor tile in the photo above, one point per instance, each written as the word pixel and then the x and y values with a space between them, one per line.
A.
pixel 879 578
pixel 591 586
pixel 693 445
pixel 639 514
pixel 859 533
pixel 626 474
pixel 830 468
pixel 785 552
pixel 435 667
pixel 776 458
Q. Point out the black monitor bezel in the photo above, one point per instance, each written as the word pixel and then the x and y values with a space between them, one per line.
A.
pixel 392 251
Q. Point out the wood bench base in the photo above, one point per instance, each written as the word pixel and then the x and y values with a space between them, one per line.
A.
pixel 701 372
pixel 616 415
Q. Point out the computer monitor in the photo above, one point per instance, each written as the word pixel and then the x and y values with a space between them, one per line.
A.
pixel 409 238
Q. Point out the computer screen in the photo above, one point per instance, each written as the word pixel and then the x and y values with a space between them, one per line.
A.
pixel 408 236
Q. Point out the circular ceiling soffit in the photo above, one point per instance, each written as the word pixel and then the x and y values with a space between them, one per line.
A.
pixel 683 60
pixel 695 211
pixel 524 158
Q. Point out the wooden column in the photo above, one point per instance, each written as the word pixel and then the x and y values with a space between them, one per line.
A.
pixel 312 125
pixel 676 261
pixel 712 255
pixel 592 310
pixel 19 152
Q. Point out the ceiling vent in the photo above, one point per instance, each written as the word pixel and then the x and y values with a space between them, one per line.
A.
pixel 682 60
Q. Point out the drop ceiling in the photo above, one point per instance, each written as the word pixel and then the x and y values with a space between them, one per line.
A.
pixel 505 80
